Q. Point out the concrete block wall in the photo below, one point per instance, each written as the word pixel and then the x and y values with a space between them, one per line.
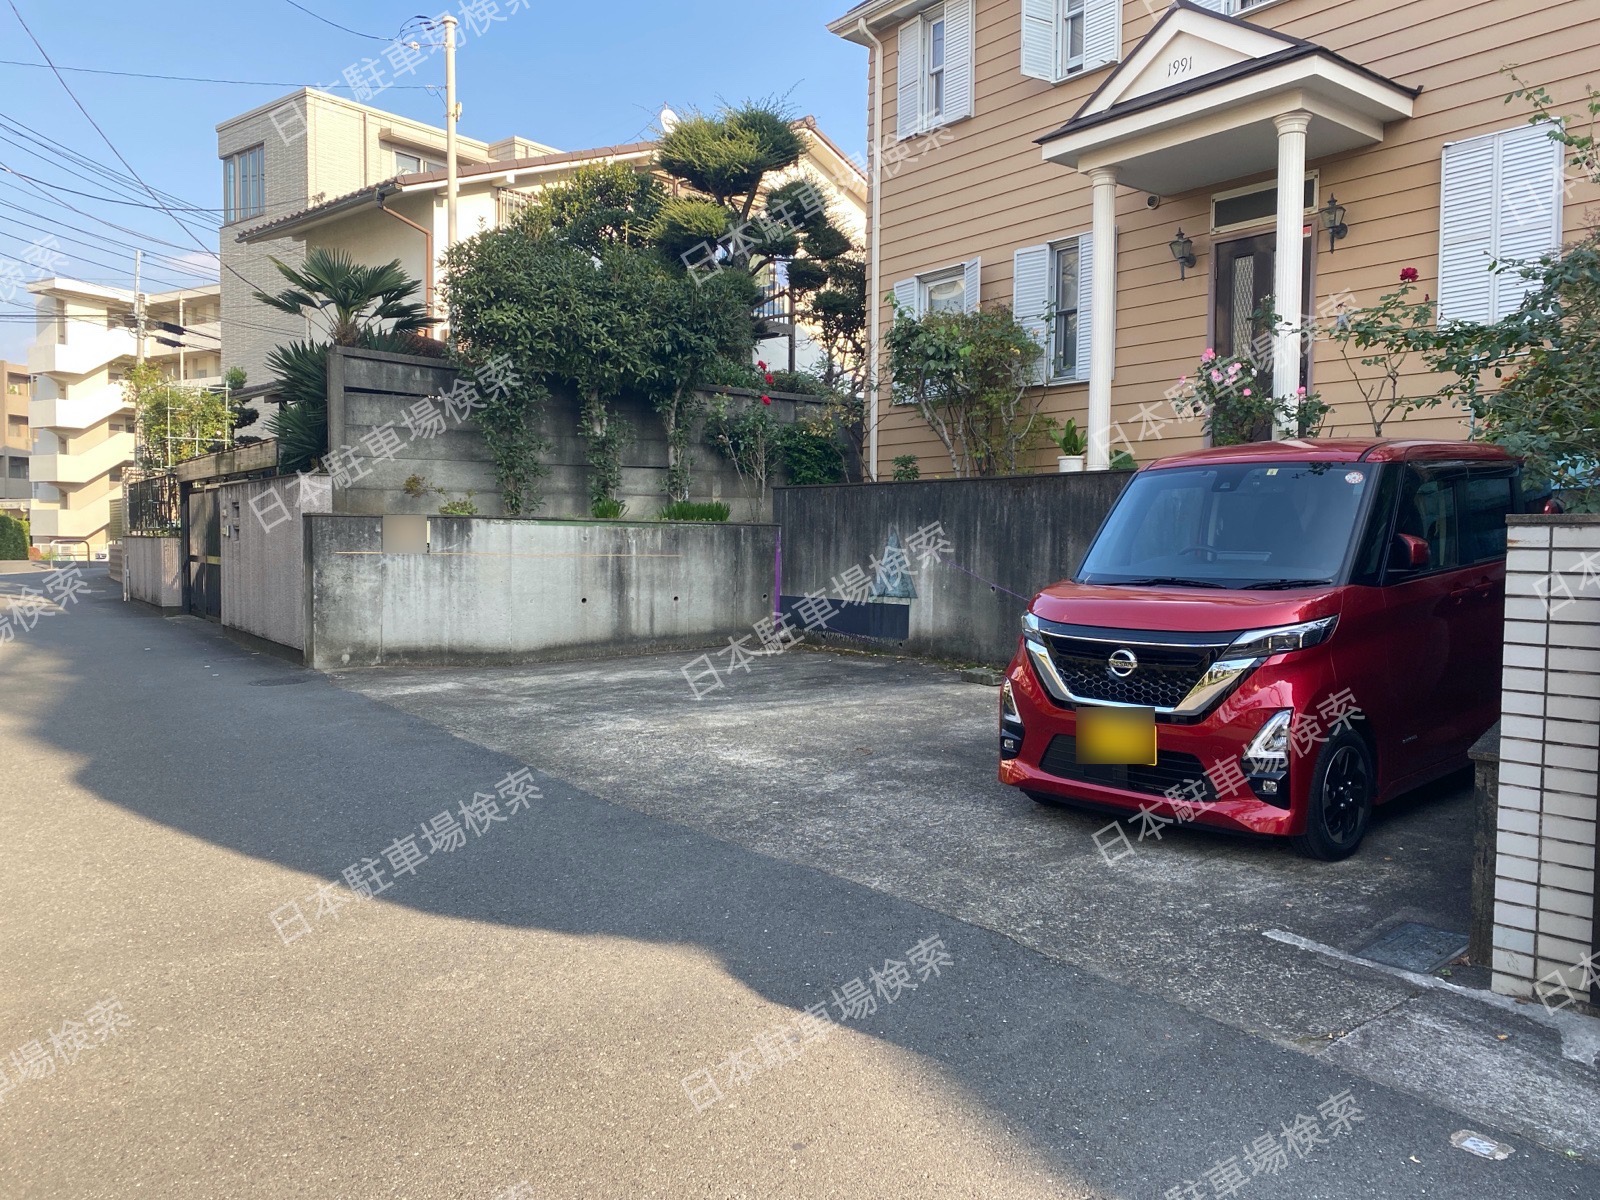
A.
pixel 1549 748
pixel 1009 537
pixel 368 389
pixel 480 590
pixel 153 570
pixel 263 554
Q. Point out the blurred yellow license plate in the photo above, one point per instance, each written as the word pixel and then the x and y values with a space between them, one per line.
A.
pixel 1116 736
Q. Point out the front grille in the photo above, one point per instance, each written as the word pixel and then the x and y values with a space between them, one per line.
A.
pixel 1171 770
pixel 1165 675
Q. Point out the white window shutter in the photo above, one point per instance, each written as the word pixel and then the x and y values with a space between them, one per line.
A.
pixel 1528 208
pixel 1030 301
pixel 958 66
pixel 1086 313
pixel 972 278
pixel 907 297
pixel 908 66
pixel 1466 231
pixel 1039 39
pixel 1102 33
pixel 1221 6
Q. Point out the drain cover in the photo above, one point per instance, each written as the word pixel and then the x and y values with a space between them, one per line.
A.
pixel 280 681
pixel 1414 947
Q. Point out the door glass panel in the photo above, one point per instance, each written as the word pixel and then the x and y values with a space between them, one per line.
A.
pixel 1484 522
pixel 1428 511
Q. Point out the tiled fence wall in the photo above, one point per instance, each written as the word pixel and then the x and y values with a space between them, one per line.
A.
pixel 1544 933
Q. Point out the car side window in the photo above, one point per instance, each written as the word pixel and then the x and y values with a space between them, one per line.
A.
pixel 1427 510
pixel 1486 501
pixel 1373 550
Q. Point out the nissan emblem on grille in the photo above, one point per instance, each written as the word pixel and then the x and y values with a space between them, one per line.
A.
pixel 1122 663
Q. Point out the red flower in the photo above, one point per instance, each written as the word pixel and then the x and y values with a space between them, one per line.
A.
pixel 761 365
pixel 766 399
pixel 769 379
pixel 1408 275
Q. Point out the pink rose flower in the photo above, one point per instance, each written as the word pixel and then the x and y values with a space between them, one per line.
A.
pixel 1300 391
pixel 1216 377
pixel 1247 391
pixel 1208 355
pixel 1233 368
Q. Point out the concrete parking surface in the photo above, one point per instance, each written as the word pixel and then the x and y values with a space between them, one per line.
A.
pixel 692 875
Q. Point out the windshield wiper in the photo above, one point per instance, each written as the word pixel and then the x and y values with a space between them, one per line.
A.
pixel 1169 581
pixel 1278 585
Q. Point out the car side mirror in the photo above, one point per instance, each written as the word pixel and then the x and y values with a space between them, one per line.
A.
pixel 1410 552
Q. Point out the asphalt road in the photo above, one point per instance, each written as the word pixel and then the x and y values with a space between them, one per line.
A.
pixel 523 1009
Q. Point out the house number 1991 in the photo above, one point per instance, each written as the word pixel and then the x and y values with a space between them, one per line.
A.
pixel 1180 66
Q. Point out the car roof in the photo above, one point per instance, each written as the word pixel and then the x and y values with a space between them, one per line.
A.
pixel 1338 450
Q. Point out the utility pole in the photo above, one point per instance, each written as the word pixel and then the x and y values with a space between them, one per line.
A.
pixel 138 310
pixel 452 111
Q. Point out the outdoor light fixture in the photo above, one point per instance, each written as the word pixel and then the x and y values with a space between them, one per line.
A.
pixel 1333 222
pixel 1183 250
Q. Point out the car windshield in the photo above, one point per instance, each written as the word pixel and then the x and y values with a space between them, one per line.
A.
pixel 1233 525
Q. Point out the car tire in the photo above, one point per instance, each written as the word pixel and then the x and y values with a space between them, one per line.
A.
pixel 1343 788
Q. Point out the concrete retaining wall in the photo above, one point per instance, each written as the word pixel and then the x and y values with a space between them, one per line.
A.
pixel 154 570
pixel 368 389
pixel 484 591
pixel 263 554
pixel 1545 916
pixel 1009 537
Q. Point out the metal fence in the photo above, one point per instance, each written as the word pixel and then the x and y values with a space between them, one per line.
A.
pixel 153 507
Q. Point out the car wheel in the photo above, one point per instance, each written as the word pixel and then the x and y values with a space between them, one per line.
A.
pixel 1342 791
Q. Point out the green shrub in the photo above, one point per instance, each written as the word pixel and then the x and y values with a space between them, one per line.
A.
pixel 607 508
pixel 811 454
pixel 13 539
pixel 690 510
pixel 906 468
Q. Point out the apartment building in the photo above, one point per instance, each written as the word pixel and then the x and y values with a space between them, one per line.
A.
pixel 82 426
pixel 1063 156
pixel 16 388
pixel 300 152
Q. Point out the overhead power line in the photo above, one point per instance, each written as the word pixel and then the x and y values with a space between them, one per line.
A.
pixel 277 83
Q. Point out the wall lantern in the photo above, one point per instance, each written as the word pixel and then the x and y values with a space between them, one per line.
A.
pixel 1183 250
pixel 1333 222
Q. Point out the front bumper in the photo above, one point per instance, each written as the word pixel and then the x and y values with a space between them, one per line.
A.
pixel 1203 761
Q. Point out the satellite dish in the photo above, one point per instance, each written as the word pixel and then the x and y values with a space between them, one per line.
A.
pixel 668 120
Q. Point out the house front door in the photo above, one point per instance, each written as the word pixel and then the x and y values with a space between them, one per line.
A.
pixel 1241 291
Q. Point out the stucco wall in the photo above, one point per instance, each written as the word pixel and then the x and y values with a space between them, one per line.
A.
pixel 1008 538
pixel 154 570
pixel 505 591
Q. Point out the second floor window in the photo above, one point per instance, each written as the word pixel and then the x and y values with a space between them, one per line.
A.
pixel 933 101
pixel 244 184
pixel 1071 36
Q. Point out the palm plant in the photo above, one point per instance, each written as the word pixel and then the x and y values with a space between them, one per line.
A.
pixel 360 306
pixel 353 299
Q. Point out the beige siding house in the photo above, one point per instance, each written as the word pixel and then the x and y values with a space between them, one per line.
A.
pixel 1045 153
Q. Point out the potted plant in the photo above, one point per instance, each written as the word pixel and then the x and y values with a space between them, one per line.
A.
pixel 1070 441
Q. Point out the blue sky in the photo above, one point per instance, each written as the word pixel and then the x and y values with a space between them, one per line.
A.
pixel 569 75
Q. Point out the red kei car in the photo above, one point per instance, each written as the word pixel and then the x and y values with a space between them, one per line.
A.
pixel 1314 627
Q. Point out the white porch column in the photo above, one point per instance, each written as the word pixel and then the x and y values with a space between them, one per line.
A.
pixel 1288 280
pixel 1103 306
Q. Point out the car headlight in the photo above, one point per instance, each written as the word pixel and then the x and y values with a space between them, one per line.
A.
pixel 1263 643
pixel 1008 706
pixel 1030 623
pixel 1270 746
